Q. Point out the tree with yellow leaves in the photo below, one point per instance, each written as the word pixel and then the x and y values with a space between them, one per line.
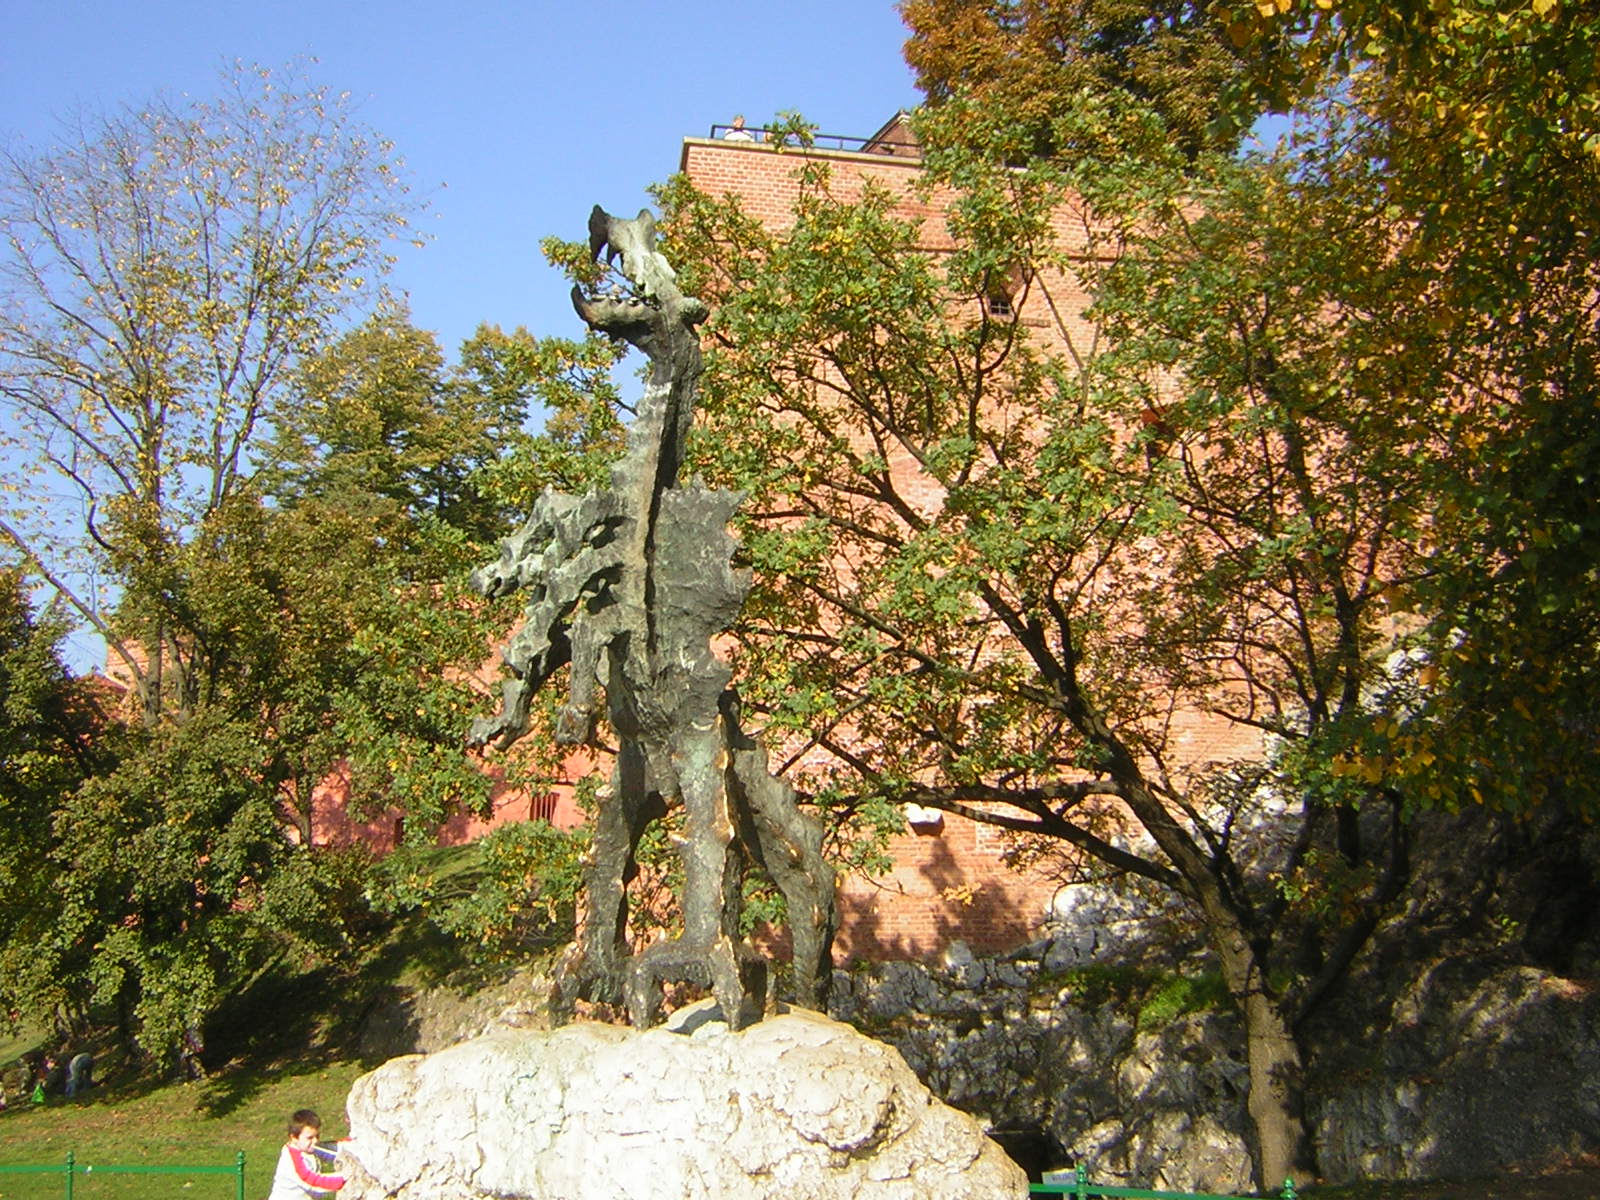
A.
pixel 175 278
pixel 1320 466
pixel 164 270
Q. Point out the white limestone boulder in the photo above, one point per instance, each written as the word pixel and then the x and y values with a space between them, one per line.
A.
pixel 796 1106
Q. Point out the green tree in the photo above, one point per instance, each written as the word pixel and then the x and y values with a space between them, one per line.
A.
pixel 1028 59
pixel 1483 123
pixel 946 525
pixel 523 898
pixel 337 636
pixel 47 747
pixel 276 525
pixel 570 386
pixel 379 416
pixel 997 575
pixel 1318 465
pixel 413 462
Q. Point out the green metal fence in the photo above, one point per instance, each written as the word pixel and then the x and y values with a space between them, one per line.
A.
pixel 1078 1187
pixel 72 1167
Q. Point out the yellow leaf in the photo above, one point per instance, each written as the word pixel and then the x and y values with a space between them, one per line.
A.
pixel 1541 7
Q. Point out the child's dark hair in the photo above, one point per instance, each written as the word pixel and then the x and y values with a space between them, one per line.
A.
pixel 303 1118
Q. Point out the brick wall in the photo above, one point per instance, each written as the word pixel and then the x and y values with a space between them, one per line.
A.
pixel 333 825
pixel 948 883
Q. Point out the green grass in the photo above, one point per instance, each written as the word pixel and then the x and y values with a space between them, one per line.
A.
pixel 1172 996
pixel 288 1041
pixel 204 1123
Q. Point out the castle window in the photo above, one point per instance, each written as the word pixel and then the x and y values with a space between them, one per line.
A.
pixel 1002 288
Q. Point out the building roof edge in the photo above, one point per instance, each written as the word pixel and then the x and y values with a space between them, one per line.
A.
pixel 811 152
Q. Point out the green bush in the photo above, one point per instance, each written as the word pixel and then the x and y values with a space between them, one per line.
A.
pixel 1153 997
pixel 1170 996
pixel 524 893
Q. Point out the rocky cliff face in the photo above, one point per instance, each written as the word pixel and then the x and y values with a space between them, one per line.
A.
pixel 1475 1067
pixel 1466 1042
pixel 1471 1070
pixel 1027 1048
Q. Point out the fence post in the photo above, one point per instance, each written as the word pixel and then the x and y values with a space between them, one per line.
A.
pixel 1082 1187
pixel 1288 1191
pixel 240 1164
pixel 69 1174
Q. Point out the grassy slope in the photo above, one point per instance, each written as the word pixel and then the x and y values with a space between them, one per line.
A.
pixel 176 1124
pixel 288 1042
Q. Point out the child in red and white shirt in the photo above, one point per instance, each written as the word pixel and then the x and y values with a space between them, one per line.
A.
pixel 297 1177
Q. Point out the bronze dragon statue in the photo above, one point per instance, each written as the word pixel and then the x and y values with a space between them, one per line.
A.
pixel 629 586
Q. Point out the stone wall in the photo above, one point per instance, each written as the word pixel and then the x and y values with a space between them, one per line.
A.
pixel 1465 1043
pixel 1477 1067
pixel 1057 1051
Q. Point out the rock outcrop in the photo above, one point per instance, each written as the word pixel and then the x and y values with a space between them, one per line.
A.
pixel 422 1019
pixel 1062 1056
pixel 797 1106
pixel 1476 1068
pixel 1478 1065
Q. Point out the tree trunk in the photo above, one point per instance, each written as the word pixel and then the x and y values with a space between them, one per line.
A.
pixel 152 689
pixel 1276 1104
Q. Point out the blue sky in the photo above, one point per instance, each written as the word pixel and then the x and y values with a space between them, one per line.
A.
pixel 514 118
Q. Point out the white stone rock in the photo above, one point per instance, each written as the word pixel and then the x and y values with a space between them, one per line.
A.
pixel 796 1106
